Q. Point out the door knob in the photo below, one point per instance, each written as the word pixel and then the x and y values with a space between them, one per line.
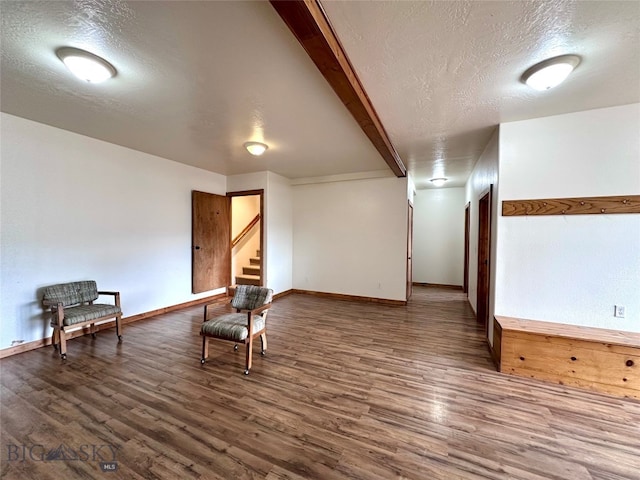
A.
pixel 197 247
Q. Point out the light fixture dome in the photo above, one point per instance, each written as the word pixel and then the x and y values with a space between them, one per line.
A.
pixel 256 148
pixel 551 72
pixel 438 182
pixel 86 66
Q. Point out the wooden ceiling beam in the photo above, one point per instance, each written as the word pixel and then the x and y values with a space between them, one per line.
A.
pixel 308 22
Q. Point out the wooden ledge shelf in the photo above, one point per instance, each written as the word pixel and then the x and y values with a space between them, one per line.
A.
pixel 593 358
pixel 572 206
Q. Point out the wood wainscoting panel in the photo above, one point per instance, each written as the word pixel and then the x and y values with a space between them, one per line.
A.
pixel 597 359
pixel 572 206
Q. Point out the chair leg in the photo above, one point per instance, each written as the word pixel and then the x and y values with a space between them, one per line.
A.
pixel 205 349
pixel 63 344
pixel 249 345
pixel 54 339
pixel 119 327
pixel 93 330
pixel 263 342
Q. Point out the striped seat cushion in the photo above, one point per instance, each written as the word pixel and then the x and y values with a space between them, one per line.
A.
pixel 72 293
pixel 84 313
pixel 232 326
pixel 249 297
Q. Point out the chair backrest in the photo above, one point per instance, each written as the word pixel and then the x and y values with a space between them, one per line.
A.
pixel 72 293
pixel 248 297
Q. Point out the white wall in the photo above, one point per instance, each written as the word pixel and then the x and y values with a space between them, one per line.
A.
pixel 279 258
pixel 485 173
pixel 76 208
pixel 571 269
pixel 278 242
pixel 350 237
pixel 438 236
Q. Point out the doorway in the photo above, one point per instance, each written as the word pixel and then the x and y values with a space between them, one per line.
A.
pixel 247 237
pixel 484 258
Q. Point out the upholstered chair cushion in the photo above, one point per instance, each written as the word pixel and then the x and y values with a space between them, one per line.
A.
pixel 84 313
pixel 232 326
pixel 248 297
pixel 72 293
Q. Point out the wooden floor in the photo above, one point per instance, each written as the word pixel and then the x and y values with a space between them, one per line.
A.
pixel 347 390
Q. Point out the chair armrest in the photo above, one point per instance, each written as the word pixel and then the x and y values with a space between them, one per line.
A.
pixel 257 310
pixel 115 294
pixel 51 303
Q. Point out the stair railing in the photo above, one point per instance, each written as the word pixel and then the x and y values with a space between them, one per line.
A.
pixel 245 231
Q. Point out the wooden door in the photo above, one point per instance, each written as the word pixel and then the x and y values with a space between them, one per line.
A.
pixel 410 251
pixel 467 225
pixel 211 238
pixel 484 257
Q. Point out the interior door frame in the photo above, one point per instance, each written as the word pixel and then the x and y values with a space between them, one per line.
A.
pixel 409 249
pixel 247 193
pixel 483 290
pixel 467 228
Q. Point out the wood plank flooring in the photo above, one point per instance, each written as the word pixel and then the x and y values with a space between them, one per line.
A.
pixel 347 391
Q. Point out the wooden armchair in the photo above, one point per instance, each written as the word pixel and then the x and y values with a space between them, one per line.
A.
pixel 250 320
pixel 72 307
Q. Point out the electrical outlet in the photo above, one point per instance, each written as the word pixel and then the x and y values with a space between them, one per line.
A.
pixel 618 311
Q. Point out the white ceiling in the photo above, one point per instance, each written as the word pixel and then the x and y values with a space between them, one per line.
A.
pixel 442 74
pixel 195 81
pixel 198 79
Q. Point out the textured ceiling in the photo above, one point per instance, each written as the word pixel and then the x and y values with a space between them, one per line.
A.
pixel 443 74
pixel 195 81
pixel 198 79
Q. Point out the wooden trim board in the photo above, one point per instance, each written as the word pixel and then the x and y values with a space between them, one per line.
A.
pixel 572 206
pixel 43 342
pixel 437 285
pixel 354 298
pixel 593 358
pixel 613 337
pixel 282 294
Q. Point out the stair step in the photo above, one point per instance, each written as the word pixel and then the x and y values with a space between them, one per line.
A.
pixel 258 253
pixel 254 260
pixel 248 280
pixel 251 270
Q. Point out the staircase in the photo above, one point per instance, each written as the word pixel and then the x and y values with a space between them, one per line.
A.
pixel 250 273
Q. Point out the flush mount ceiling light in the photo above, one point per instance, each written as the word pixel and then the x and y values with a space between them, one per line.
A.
pixel 86 66
pixel 438 182
pixel 551 72
pixel 256 148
